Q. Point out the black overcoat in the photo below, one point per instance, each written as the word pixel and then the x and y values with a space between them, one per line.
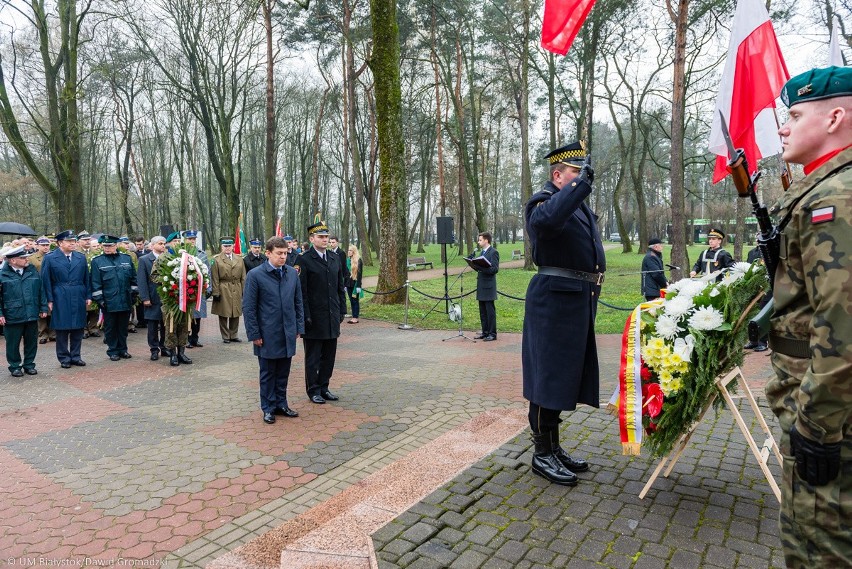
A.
pixel 559 354
pixel 653 274
pixel 323 296
pixel 486 278
pixel 66 285
pixel 148 288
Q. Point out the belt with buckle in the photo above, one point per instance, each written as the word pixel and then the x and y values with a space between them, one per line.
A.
pixel 596 278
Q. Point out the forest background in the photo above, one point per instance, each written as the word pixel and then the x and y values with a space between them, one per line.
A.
pixel 124 115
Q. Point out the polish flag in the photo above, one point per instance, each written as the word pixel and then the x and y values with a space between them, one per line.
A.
pixel 562 20
pixel 753 77
pixel 278 232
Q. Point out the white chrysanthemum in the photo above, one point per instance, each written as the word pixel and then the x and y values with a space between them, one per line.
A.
pixel 709 278
pixel 174 262
pixel 740 267
pixel 677 285
pixel 706 318
pixel 165 289
pixel 678 306
pixel 732 277
pixel 715 291
pixel 176 273
pixel 666 327
pixel 691 288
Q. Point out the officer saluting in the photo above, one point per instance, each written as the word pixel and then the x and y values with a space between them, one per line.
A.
pixel 561 305
pixel 324 300
pixel 113 283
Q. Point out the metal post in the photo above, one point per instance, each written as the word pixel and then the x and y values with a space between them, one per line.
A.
pixel 405 325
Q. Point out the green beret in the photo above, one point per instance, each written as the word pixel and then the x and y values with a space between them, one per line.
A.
pixel 817 84
pixel 172 236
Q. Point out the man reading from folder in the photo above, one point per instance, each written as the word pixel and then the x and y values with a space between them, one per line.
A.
pixel 486 267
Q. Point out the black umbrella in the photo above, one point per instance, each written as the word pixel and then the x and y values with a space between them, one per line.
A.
pixel 12 228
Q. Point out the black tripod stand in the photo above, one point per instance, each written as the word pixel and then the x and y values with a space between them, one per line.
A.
pixel 455 311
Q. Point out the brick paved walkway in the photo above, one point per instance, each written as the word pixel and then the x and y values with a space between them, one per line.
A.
pixel 142 461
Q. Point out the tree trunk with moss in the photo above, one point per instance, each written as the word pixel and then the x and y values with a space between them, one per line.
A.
pixel 393 205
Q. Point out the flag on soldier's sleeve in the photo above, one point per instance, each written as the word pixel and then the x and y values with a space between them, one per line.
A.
pixel 753 77
pixel 239 237
pixel 561 23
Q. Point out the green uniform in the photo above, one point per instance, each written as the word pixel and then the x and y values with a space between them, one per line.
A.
pixel 22 299
pixel 811 335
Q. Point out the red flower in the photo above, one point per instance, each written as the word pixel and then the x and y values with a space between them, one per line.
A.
pixel 652 396
pixel 174 286
pixel 193 282
pixel 191 291
pixel 645 373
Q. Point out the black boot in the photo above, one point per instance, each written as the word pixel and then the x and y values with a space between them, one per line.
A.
pixel 545 463
pixel 173 357
pixel 182 355
pixel 569 462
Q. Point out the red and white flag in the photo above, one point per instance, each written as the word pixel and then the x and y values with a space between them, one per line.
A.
pixel 753 77
pixel 562 20
pixel 278 228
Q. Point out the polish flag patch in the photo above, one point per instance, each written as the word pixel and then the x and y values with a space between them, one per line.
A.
pixel 822 214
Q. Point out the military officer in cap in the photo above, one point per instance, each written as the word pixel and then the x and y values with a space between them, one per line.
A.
pixel 810 332
pixel 254 258
pixel 324 300
pixel 22 304
pixel 714 258
pixel 45 332
pixel 65 276
pixel 190 238
pixel 177 325
pixel 561 303
pixel 113 284
pixel 228 277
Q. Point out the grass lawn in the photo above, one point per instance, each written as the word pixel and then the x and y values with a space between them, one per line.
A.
pixel 622 288
pixel 433 253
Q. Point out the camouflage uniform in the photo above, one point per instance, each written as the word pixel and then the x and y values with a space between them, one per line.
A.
pixel 177 327
pixel 813 392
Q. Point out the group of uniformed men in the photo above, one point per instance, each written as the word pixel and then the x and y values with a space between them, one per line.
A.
pixel 70 286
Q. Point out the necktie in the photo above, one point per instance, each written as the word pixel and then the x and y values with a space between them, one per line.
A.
pixel 280 272
pixel 20 272
pixel 69 258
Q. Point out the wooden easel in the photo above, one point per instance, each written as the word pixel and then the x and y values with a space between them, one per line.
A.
pixel 760 453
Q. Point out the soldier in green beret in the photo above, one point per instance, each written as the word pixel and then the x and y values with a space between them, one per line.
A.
pixel 811 329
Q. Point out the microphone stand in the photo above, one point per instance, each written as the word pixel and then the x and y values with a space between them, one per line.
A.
pixel 461 311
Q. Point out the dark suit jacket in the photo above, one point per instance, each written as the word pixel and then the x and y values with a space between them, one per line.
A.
pixel 273 311
pixel 486 278
pixel 66 285
pixel 653 274
pixel 322 293
pixel 148 288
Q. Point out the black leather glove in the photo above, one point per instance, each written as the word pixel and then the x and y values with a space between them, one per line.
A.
pixel 817 463
pixel 587 173
pixel 308 324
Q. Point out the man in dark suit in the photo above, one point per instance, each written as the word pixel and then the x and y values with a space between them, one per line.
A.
pixel 151 303
pixel 486 288
pixel 334 247
pixel 274 318
pixel 324 298
pixel 561 303
pixel 65 276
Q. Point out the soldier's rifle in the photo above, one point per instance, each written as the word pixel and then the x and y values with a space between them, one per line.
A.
pixel 769 238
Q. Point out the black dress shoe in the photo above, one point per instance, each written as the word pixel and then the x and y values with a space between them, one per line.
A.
pixel 268 418
pixel 547 465
pixel 132 330
pixel 165 353
pixel 750 346
pixel 18 373
pixel 286 411
pixel 80 363
pixel 114 358
pixel 197 345
pixel 317 399
pixel 236 340
pixel 65 365
pixel 184 359
pixel 760 348
pixel 479 337
pixel 190 346
pixel 125 355
pixel 173 359
pixel 43 341
pixel 489 338
pixel 30 371
pixel 155 356
pixel 85 335
pixel 329 396
pixel 226 341
pixel 569 462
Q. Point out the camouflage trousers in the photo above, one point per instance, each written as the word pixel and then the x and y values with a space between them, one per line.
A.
pixel 815 521
pixel 177 330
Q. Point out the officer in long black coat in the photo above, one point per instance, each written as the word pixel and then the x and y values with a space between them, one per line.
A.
pixel 324 303
pixel 151 303
pixel 561 303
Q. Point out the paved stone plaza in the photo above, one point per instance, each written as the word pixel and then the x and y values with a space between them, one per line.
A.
pixel 138 460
